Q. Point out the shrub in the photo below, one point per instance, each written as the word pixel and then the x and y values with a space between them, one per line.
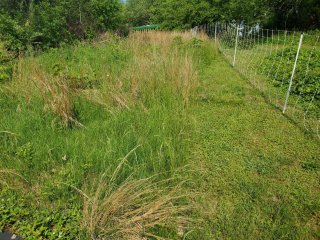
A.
pixel 50 23
pixel 15 36
pixel 5 64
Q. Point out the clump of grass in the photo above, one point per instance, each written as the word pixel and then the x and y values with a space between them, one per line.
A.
pixel 133 208
pixel 31 80
pixel 147 88
pixel 162 62
pixel 154 69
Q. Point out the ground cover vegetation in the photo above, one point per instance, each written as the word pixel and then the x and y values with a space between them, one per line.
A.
pixel 306 77
pixel 148 136
pixel 154 135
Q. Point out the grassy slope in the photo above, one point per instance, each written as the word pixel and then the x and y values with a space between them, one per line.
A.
pixel 261 172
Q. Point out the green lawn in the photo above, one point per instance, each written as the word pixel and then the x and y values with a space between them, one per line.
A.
pixel 171 108
pixel 261 171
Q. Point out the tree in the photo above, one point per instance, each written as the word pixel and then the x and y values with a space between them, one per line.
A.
pixel 183 14
pixel 51 22
pixel 139 12
pixel 301 14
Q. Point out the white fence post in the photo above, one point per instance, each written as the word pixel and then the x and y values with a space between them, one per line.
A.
pixel 292 75
pixel 235 48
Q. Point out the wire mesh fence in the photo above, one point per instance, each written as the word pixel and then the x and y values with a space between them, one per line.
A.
pixel 283 65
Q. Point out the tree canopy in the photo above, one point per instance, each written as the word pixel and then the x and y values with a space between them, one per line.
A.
pixel 294 14
pixel 48 23
pixel 51 22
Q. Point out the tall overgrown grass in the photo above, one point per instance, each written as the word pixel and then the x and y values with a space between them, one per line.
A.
pixel 78 110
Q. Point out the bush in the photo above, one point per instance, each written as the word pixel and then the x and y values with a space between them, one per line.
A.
pixel 50 23
pixel 15 36
pixel 5 65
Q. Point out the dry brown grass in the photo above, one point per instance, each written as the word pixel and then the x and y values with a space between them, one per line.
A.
pixel 33 82
pixel 162 37
pixel 158 60
pixel 132 209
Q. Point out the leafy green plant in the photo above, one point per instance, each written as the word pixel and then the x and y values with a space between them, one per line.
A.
pixel 19 216
pixel 6 68
pixel 25 154
pixel 306 83
pixel 15 36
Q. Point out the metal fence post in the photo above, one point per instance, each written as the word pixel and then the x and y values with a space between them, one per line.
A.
pixel 292 75
pixel 235 48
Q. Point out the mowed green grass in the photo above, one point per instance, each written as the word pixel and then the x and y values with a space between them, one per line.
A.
pixel 252 172
pixel 261 172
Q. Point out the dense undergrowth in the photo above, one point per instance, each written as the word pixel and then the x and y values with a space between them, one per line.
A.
pixel 117 111
pixel 5 64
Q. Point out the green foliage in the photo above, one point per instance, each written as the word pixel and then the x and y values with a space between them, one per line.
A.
pixel 306 80
pixel 50 23
pixel 5 64
pixel 139 12
pixel 25 154
pixel 295 14
pixel 105 14
pixel 184 14
pixel 15 36
pixel 5 73
pixel 19 216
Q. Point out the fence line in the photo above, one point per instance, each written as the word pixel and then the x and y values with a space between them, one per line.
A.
pixel 283 65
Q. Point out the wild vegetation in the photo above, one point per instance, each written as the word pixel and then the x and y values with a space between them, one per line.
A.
pixel 111 134
pixel 184 14
pixel 74 114
pixel 307 76
pixel 42 24
pixel 147 137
